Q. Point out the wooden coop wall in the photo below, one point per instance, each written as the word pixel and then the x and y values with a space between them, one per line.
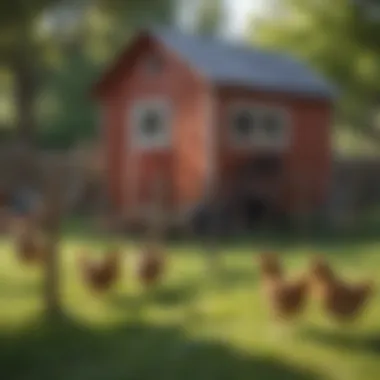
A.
pixel 131 172
pixel 308 157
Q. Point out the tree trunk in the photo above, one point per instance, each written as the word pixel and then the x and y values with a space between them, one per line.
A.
pixel 25 97
pixel 51 289
pixel 50 220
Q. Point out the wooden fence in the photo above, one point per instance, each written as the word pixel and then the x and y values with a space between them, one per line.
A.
pixel 82 170
pixel 355 189
pixel 355 184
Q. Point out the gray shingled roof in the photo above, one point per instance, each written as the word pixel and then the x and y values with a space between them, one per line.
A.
pixel 227 63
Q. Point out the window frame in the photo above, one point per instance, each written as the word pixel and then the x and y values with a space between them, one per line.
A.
pixel 234 110
pixel 139 108
pixel 258 139
pixel 286 124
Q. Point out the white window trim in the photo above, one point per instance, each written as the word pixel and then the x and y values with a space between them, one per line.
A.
pixel 140 106
pixel 233 112
pixel 258 141
pixel 287 125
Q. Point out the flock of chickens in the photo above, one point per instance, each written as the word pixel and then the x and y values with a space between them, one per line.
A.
pixel 101 274
pixel 341 300
pixel 287 298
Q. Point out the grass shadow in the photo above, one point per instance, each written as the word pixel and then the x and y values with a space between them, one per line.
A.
pixel 345 340
pixel 164 296
pixel 232 277
pixel 11 289
pixel 72 350
pixel 133 303
pixel 319 238
pixel 174 295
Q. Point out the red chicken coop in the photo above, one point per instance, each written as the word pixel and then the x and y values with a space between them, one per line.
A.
pixel 200 111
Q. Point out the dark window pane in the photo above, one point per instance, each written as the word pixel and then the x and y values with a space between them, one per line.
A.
pixel 272 125
pixel 244 124
pixel 151 124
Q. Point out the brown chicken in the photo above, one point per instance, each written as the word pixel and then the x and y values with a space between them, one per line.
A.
pixel 29 243
pixel 101 275
pixel 287 298
pixel 151 265
pixel 341 300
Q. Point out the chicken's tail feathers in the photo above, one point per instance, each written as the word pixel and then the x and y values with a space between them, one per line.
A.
pixel 372 285
pixel 113 256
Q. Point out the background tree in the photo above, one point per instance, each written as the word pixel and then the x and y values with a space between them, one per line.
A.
pixel 53 50
pixel 210 15
pixel 20 52
pixel 340 39
pixel 105 29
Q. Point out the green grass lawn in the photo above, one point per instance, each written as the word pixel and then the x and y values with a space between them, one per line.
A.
pixel 193 327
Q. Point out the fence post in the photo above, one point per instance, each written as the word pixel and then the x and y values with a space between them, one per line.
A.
pixel 157 221
pixel 303 204
pixel 212 244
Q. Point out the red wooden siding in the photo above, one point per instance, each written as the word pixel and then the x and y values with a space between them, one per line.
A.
pixel 113 146
pixel 186 165
pixel 310 144
pixel 311 153
pixel 192 150
pixel 183 164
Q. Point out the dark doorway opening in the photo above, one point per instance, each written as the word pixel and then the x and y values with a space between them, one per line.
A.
pixel 258 181
pixel 249 202
pixel 254 210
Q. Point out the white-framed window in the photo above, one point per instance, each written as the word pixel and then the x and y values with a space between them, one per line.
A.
pixel 259 126
pixel 275 127
pixel 243 126
pixel 151 124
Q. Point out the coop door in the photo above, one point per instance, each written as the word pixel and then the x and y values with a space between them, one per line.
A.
pixel 150 143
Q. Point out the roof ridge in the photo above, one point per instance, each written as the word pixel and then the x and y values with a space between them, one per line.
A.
pixel 247 56
pixel 222 61
pixel 236 46
pixel 239 45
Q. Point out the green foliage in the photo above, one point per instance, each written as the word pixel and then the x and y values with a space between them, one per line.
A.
pixel 110 24
pixel 18 19
pixel 6 109
pixel 73 116
pixel 339 39
pixel 65 60
pixel 105 29
pixel 210 16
